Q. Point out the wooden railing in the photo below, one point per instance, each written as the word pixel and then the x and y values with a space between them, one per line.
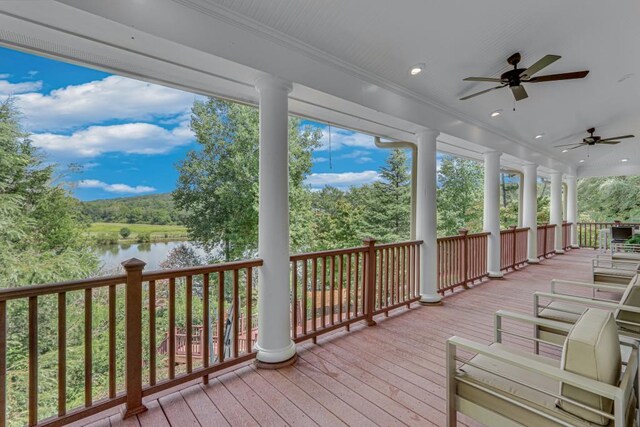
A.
pixel 461 260
pixel 546 240
pixel 588 232
pixel 513 247
pixel 566 235
pixel 333 289
pixel 141 305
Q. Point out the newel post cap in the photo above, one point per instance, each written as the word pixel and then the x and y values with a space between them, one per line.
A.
pixel 133 264
pixel 463 231
pixel 369 241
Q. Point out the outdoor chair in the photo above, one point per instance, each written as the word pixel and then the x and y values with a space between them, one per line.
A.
pixel 614 270
pixel 567 309
pixel 592 385
pixel 628 253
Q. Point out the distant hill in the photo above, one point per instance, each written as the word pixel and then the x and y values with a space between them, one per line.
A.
pixel 151 209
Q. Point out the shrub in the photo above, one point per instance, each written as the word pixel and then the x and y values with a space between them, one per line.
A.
pixel 144 238
pixel 125 232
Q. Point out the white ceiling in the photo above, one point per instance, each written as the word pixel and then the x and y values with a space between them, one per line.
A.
pixel 461 38
pixel 349 61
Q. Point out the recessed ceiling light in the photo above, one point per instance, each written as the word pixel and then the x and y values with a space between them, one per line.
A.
pixel 540 136
pixel 416 69
pixel 581 160
pixel 496 113
pixel 624 160
pixel 565 150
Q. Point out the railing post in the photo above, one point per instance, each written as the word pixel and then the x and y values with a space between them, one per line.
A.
pixel 465 257
pixel 370 282
pixel 544 245
pixel 133 337
pixel 514 246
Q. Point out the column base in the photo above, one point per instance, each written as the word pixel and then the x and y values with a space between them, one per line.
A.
pixel 494 275
pixel 430 299
pixel 126 413
pixel 277 365
pixel 533 261
pixel 575 246
pixel 275 356
pixel 560 251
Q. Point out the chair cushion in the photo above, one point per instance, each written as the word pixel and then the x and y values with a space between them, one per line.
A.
pixel 631 297
pixel 617 272
pixel 627 256
pixel 592 349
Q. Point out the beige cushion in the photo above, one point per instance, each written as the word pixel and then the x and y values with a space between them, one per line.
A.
pixel 613 275
pixel 592 349
pixel 631 297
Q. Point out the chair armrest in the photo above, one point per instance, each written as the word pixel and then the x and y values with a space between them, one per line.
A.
pixel 594 285
pixel 537 367
pixel 499 329
pixel 618 264
pixel 586 301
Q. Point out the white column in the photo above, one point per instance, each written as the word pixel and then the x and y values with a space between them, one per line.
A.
pixel 426 216
pixel 492 210
pixel 520 198
pixel 530 209
pixel 572 209
pixel 555 208
pixel 274 325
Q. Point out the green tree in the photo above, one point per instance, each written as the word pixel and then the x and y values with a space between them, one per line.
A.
pixel 459 195
pixel 388 214
pixel 217 187
pixel 125 232
pixel 610 198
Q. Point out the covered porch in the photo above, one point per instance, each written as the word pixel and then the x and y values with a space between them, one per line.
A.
pixel 390 374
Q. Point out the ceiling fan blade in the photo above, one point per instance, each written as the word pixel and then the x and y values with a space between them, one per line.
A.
pixel 542 63
pixel 519 93
pixel 577 146
pixel 567 145
pixel 608 141
pixel 617 137
pixel 481 92
pixel 562 76
pixel 482 79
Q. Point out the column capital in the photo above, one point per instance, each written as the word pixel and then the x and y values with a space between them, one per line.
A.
pixel 427 134
pixel 570 177
pixel 271 81
pixel 491 153
pixel 555 173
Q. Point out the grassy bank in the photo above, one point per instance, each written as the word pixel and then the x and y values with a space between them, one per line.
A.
pixel 109 232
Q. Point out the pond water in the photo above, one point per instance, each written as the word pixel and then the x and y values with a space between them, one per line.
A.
pixel 152 253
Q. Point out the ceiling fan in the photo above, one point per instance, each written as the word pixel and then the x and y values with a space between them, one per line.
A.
pixel 595 139
pixel 514 78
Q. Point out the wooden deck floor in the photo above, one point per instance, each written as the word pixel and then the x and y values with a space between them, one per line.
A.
pixel 390 374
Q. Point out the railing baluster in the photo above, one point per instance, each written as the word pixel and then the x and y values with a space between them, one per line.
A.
pixel 33 361
pixel 369 284
pixel 3 363
pixel 379 278
pixel 220 325
pixel 189 322
pixel 204 339
pixel 172 328
pixel 314 291
pixel 249 309
pixel 357 283
pixel 88 359
pixel 341 287
pixel 348 286
pixel 304 296
pixel 236 313
pixel 323 292
pixel 332 288
pixel 62 354
pixel 152 332
pixel 294 309
pixel 386 280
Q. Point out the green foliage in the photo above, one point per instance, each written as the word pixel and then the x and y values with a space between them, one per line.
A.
pixel 635 240
pixel 143 238
pixel 218 184
pixel 41 240
pixel 125 232
pixel 459 195
pixel 155 209
pixel 609 199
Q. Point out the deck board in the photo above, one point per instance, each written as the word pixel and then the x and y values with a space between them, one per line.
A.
pixel 390 374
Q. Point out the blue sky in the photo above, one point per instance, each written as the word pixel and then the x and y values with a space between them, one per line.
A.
pixel 128 135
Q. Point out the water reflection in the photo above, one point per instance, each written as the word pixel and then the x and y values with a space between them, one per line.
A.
pixel 152 253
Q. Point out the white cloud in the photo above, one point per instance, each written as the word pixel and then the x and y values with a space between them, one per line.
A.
pixel 5 76
pixel 112 98
pixel 342 180
pixel 115 188
pixel 131 138
pixel 320 159
pixel 344 138
pixel 358 156
pixel 9 89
